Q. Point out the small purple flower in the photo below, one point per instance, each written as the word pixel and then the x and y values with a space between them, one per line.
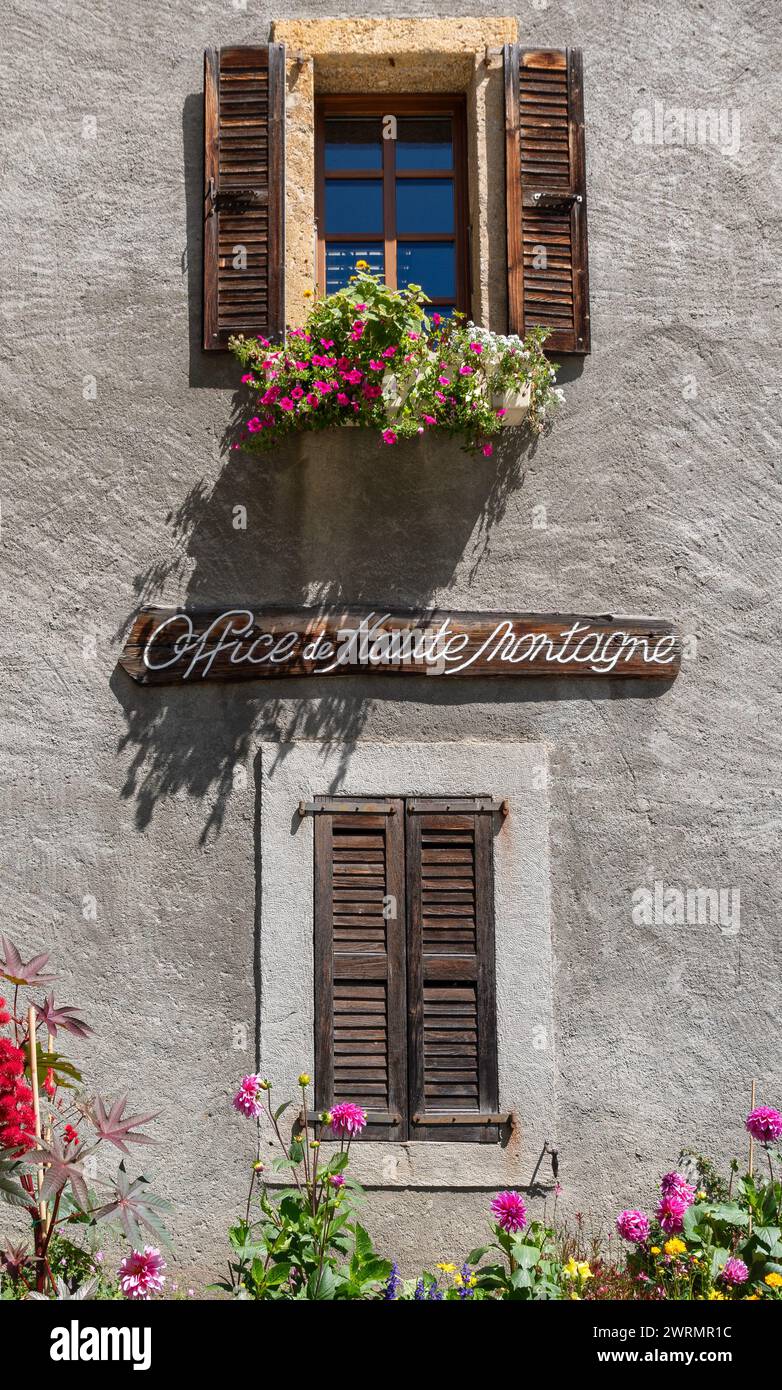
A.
pixel 465 1288
pixel 435 1293
pixel 633 1226
pixel 734 1271
pixel 420 1292
pixel 394 1282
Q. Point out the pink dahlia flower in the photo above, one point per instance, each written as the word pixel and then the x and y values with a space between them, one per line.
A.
pixel 510 1211
pixel 764 1124
pixel 670 1213
pixel 734 1271
pixel 676 1185
pixel 347 1120
pixel 141 1273
pixel 633 1226
pixel 248 1098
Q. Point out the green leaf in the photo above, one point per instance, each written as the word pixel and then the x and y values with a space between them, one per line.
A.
pixel 730 1213
pixel 475 1256
pixel 526 1256
pixel 279 1273
pixel 282 1108
pixel 364 1247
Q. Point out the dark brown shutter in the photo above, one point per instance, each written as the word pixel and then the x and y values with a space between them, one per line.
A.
pixel 451 992
pixel 244 176
pixel 548 276
pixel 360 987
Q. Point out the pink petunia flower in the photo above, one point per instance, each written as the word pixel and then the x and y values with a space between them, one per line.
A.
pixel 347 1119
pixel 297 393
pixel 313 400
pixel 285 403
pixel 499 413
pixel 487 450
pixel 327 342
pixel 444 380
pixel 430 419
pixel 248 379
pixel 464 370
pixel 141 1273
pixel 248 1098
pixel 764 1124
pixel 389 352
pixel 342 399
pixel 437 320
pixel 389 437
pixel 476 347
pixel 376 366
pixel 633 1226
pixel 510 1211
pixel 354 377
pixel 254 424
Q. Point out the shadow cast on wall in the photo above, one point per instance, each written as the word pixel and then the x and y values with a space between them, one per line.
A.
pixel 332 519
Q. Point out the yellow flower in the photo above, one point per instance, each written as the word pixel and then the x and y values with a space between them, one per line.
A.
pixel 655 1249
pixel 447 1269
pixel 773 1280
pixel 304 1079
pixel 700 1195
pixel 715 1294
pixel 308 294
pixel 577 1269
pixel 674 1246
pixel 751 1298
pixel 584 1271
pixel 364 265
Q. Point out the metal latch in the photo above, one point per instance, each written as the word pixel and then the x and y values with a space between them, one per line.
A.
pixel 551 200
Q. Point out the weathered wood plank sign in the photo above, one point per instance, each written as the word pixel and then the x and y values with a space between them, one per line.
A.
pixel 174 646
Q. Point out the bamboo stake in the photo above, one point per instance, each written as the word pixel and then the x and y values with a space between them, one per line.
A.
pixel 36 1105
pixel 751 1152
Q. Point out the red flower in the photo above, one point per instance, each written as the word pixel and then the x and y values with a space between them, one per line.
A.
pixel 71 1136
pixel 17 1119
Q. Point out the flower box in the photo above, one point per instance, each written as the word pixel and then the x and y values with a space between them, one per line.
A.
pixel 375 357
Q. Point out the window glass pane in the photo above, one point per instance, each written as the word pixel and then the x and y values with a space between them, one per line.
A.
pixel 424 142
pixel 353 143
pixel 341 257
pixel 354 205
pixel 424 205
pixel 432 265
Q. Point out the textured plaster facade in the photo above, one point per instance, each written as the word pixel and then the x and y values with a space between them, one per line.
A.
pixel 659 493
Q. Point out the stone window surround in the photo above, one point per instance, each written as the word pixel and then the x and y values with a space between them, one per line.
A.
pixel 399 55
pixel 300 771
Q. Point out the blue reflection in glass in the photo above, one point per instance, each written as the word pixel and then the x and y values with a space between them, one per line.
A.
pixel 341 257
pixel 354 205
pixel 430 264
pixel 424 205
pixel 353 144
pixel 424 143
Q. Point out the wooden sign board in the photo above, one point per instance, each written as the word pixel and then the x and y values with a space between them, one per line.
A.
pixel 174 646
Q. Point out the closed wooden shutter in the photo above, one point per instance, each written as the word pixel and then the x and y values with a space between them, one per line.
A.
pixel 360 1009
pixel 451 994
pixel 244 175
pixel 548 276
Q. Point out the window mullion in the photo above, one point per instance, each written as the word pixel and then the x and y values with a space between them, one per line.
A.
pixel 389 210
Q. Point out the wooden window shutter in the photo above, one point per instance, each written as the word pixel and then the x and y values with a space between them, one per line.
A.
pixel 244 193
pixel 451 992
pixel 360 986
pixel 548 276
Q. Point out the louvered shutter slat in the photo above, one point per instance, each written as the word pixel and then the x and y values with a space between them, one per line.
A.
pixel 548 279
pixel 453 1047
pixel 244 127
pixel 360 966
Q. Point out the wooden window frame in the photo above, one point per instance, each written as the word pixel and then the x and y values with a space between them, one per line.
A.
pixel 403 959
pixel 405 105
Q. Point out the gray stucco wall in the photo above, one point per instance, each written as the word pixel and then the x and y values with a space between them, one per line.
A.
pixel 660 495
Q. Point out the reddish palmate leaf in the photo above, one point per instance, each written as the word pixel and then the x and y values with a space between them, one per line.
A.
pixel 115 1127
pixel 61 1016
pixel 14 968
pixel 62 1166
